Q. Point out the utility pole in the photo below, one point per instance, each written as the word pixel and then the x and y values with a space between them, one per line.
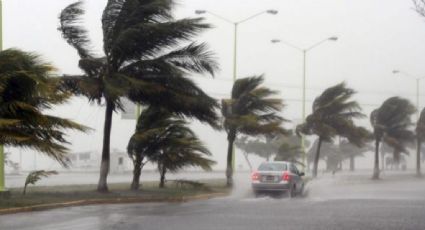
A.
pixel 303 111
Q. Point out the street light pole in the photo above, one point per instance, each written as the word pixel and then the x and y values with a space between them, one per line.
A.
pixel 235 52
pixel 418 81
pixel 303 110
pixel 236 27
pixel 235 46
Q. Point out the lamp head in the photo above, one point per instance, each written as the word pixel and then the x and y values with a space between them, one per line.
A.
pixel 396 71
pixel 333 38
pixel 271 11
pixel 275 41
pixel 200 11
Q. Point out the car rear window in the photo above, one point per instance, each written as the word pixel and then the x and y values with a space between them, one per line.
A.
pixel 272 167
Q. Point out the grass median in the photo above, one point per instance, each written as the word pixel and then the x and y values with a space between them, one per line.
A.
pixel 174 191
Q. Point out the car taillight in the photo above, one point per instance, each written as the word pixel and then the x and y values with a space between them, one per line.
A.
pixel 255 176
pixel 286 176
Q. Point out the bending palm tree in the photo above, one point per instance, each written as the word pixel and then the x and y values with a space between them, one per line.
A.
pixel 391 123
pixel 250 111
pixel 420 137
pixel 166 140
pixel 27 88
pixel 333 115
pixel 142 61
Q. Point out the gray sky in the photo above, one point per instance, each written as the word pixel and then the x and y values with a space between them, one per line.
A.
pixel 375 37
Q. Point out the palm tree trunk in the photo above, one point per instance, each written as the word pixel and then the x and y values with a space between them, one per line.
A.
pixel 352 162
pixel 316 158
pixel 25 190
pixel 102 186
pixel 396 159
pixel 135 184
pixel 376 165
pixel 229 170
pixel 418 157
pixel 162 180
pixel 382 159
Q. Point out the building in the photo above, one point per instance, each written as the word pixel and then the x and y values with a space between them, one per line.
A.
pixel 90 161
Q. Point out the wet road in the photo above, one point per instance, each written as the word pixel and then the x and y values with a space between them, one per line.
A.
pixel 343 202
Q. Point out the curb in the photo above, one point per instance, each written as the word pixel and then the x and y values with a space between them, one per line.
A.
pixel 44 207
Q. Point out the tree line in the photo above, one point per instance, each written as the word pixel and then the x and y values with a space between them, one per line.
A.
pixel 147 58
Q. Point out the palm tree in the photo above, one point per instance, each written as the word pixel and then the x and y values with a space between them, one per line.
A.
pixel 288 152
pixel 165 139
pixel 391 123
pixel 351 151
pixel 246 146
pixel 183 149
pixel 420 137
pixel 262 148
pixel 27 89
pixel 143 61
pixel 333 115
pixel 250 111
pixel 146 141
pixel 329 152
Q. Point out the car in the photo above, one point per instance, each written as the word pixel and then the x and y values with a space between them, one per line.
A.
pixel 277 176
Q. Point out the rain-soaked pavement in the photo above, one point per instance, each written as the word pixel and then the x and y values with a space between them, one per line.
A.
pixel 332 202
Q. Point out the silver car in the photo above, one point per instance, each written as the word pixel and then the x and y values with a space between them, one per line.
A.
pixel 279 176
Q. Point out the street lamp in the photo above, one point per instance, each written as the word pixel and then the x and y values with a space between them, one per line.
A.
pixel 236 24
pixel 304 52
pixel 418 79
pixel 235 44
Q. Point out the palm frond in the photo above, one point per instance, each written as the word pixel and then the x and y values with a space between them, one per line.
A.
pixel 194 57
pixel 75 34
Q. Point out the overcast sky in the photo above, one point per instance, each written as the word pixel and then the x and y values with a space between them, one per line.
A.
pixel 375 37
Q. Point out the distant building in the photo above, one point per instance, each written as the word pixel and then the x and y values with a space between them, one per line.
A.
pixel 90 161
pixel 84 160
pixel 120 162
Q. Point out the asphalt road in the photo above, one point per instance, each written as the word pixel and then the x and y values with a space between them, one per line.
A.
pixel 341 202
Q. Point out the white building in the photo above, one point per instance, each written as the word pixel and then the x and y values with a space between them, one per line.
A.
pixel 90 161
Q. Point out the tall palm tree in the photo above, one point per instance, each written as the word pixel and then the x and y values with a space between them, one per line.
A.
pixel 391 123
pixel 143 61
pixel 27 89
pixel 420 137
pixel 333 115
pixel 250 111
pixel 167 140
